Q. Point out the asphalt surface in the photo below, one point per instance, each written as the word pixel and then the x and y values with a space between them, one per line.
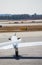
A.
pixel 20 24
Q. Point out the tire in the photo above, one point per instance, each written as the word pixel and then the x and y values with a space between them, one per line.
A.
pixel 16 52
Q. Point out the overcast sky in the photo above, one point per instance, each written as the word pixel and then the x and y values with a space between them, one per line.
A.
pixel 20 6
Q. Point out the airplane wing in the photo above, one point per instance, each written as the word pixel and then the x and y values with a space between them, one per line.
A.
pixel 9 45
pixel 29 44
pixel 6 45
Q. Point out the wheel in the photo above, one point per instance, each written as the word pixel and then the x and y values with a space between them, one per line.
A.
pixel 16 52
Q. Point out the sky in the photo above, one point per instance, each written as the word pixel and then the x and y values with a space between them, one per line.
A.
pixel 20 6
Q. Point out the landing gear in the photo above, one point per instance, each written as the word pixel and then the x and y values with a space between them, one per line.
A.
pixel 16 52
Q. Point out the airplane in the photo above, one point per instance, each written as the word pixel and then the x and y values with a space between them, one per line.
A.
pixel 15 43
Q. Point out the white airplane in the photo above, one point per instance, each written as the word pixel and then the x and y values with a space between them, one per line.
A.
pixel 15 43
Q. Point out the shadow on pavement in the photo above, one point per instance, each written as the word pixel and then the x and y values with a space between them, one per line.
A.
pixel 20 57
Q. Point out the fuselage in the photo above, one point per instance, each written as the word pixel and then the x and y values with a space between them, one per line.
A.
pixel 15 40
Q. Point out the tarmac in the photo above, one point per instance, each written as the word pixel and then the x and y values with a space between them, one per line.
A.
pixel 27 55
pixel 25 24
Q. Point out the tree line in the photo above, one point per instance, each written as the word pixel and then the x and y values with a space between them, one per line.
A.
pixel 20 17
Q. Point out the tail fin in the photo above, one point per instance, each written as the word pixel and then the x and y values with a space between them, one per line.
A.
pixel 15 34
